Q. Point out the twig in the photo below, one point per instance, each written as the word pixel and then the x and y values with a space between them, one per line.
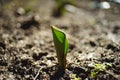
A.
pixel 37 73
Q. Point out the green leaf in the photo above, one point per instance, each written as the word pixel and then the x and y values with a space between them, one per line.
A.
pixel 61 45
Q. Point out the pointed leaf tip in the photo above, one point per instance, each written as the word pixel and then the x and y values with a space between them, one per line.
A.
pixel 61 45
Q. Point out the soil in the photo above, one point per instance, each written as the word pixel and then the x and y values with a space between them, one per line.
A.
pixel 26 45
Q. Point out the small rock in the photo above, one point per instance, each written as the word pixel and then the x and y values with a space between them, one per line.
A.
pixel 20 11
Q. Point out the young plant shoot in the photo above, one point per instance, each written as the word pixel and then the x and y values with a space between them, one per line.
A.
pixel 60 7
pixel 61 45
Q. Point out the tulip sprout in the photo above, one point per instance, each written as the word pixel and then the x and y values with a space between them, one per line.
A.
pixel 61 45
pixel 60 7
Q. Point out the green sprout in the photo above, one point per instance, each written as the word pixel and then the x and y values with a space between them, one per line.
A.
pixel 60 7
pixel 98 68
pixel 61 46
pixel 73 76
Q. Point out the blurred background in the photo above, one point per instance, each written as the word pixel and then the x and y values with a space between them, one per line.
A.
pixel 24 14
pixel 26 45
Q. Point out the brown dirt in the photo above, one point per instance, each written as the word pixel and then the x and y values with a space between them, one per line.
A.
pixel 27 49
